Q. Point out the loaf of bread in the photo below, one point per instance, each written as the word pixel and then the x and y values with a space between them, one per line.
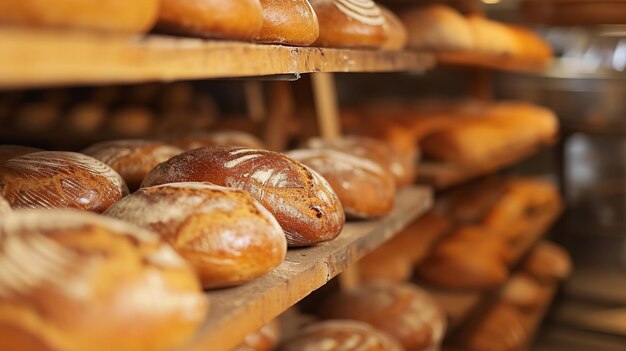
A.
pixel 112 15
pixel 340 334
pixel 4 206
pixel 52 179
pixel 403 311
pixel 303 202
pixel 8 152
pixel 350 23
pixel 77 281
pixel 522 291
pixel 364 188
pixel 288 22
pixel 548 262
pixel 226 19
pixel 224 233
pixel 222 138
pixel 437 27
pixel 470 203
pixel 38 117
pixel 86 118
pixel 265 339
pixel 132 121
pixel 501 329
pixel 395 31
pixel 492 37
pixel 132 159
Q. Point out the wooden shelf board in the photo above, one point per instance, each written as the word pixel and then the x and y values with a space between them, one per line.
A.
pixel 32 58
pixel 504 62
pixel 238 311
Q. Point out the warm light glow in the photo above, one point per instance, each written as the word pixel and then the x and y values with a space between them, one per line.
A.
pixel 490 2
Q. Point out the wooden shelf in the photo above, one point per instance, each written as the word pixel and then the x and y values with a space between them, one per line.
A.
pixel 236 312
pixel 31 58
pixel 502 62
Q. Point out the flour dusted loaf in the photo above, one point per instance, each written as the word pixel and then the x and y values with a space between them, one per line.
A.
pixel 223 138
pixel 340 334
pixel 364 188
pixel 404 311
pixel 304 204
pixel 265 339
pixel 78 281
pixel 288 22
pixel 350 23
pixel 224 233
pixel 51 179
pixel 132 159
pixel 226 19
pixel 8 152
pixel 437 27
pixel 123 16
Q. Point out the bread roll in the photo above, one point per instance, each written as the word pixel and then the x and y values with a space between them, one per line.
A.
pixel 227 19
pixel 548 262
pixel 50 179
pixel 395 31
pixel 345 335
pixel 86 118
pixel 530 45
pixel 364 188
pixel 112 15
pixel 438 28
pixel 4 206
pixel 402 310
pixel 8 152
pixel 222 138
pixel 132 121
pixel 492 37
pixel 301 200
pixel 350 23
pixel 470 203
pixel 522 291
pixel 265 339
pixel 502 329
pixel 288 22
pixel 224 233
pixel 76 281
pixel 132 159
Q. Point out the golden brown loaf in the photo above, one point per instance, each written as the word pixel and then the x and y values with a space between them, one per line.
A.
pixel 132 121
pixel 227 19
pixel 364 188
pixel 437 27
pixel 224 233
pixel 52 179
pixel 522 291
pixel 288 22
pixel 345 335
pixel 492 37
pixel 502 329
pixel 395 31
pixel 137 16
pixel 265 339
pixel 403 311
pixel 548 262
pixel 350 23
pixel 223 138
pixel 132 159
pixel 304 204
pixel 77 281
pixel 10 151
pixel 86 118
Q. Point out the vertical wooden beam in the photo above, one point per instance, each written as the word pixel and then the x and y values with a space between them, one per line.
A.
pixel 480 85
pixel 280 110
pixel 253 90
pixel 327 107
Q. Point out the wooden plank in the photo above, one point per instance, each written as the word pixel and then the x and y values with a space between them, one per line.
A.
pixel 33 58
pixel 504 62
pixel 326 104
pixel 239 311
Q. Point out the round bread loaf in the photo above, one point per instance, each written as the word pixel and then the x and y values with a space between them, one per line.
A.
pixel 350 23
pixel 77 281
pixel 8 152
pixel 233 19
pixel 132 159
pixel 465 271
pixel 364 188
pixel 492 37
pixel 224 233
pixel 345 335
pixel 288 22
pixel 265 339
pixel 502 329
pixel 223 138
pixel 132 121
pixel 395 31
pixel 548 262
pixel 51 179
pixel 137 16
pixel 301 200
pixel 404 311
pixel 86 118
pixel 439 28
pixel 523 291
pixel 4 206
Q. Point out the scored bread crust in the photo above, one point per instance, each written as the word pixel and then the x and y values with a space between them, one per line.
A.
pixel 288 22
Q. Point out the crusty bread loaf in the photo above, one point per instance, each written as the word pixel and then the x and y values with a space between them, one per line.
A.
pixel 548 262
pixel 404 311
pixel 132 159
pixel 501 329
pixel 522 291
pixel 350 23
pixel 340 334
pixel 231 19
pixel 265 339
pixel 52 179
pixel 222 138
pixel 4 206
pixel 224 233
pixel 10 151
pixel 364 188
pixel 437 27
pixel 301 200
pixel 137 16
pixel 77 281
pixel 288 22
pixel 395 31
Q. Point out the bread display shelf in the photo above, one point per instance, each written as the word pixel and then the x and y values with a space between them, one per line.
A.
pixel 236 312
pixel 31 58
pixel 445 175
pixel 502 62
pixel 462 305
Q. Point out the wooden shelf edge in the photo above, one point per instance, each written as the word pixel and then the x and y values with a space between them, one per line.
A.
pixel 238 311
pixel 38 58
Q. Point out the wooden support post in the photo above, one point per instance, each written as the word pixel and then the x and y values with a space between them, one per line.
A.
pixel 253 90
pixel 480 85
pixel 326 104
pixel 280 109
